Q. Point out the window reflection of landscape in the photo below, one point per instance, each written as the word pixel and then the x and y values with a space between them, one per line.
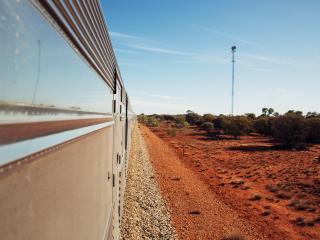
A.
pixel 40 70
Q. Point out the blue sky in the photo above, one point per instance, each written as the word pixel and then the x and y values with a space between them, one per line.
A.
pixel 174 55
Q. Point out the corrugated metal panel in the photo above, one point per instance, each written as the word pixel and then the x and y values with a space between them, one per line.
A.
pixel 123 96
pixel 82 22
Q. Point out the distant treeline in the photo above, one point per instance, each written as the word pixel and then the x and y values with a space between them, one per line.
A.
pixel 292 129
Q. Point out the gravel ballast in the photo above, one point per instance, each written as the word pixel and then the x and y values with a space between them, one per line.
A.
pixel 145 213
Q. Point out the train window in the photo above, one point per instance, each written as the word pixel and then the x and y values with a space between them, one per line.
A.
pixel 40 69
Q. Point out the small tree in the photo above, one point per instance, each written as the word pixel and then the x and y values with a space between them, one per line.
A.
pixel 218 121
pixel 236 126
pixel 270 111
pixel 298 113
pixel 193 118
pixel 264 111
pixel 208 117
pixel 252 116
pixel 207 126
pixel 312 115
pixel 290 129
pixel 167 117
pixel 267 111
pixel 313 129
pixel 263 125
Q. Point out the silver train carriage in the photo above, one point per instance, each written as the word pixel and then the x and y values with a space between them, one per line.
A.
pixel 65 122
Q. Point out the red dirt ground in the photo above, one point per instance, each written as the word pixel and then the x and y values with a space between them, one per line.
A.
pixel 274 192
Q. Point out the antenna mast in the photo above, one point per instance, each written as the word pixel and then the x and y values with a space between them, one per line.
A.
pixel 233 49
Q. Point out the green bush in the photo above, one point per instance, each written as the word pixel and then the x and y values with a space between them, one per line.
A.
pixel 252 116
pixel 236 126
pixel 171 132
pixel 193 118
pixel 313 115
pixel 313 129
pixel 184 124
pixel 142 118
pixel 181 121
pixel 168 117
pixel 290 129
pixel 208 117
pixel 152 121
pixel 218 121
pixel 207 126
pixel 263 125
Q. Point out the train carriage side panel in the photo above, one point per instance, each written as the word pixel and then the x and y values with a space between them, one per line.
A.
pixel 60 177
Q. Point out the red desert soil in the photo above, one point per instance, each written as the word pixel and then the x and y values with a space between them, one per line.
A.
pixel 215 188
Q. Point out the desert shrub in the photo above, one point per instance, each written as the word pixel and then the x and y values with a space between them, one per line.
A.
pixel 152 121
pixel 218 121
pixel 298 113
pixel 256 197
pixel 313 129
pixel 184 124
pixel 252 116
pixel 172 132
pixel 142 118
pixel 179 118
pixel 193 118
pixel 237 126
pixel 181 121
pixel 167 117
pixel 263 125
pixel 312 115
pixel 208 117
pixel 289 129
pixel 156 116
pixel 207 126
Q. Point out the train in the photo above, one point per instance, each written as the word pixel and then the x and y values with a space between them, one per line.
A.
pixel 66 123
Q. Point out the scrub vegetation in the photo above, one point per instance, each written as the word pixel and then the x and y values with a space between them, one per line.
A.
pixel 292 130
pixel 265 167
